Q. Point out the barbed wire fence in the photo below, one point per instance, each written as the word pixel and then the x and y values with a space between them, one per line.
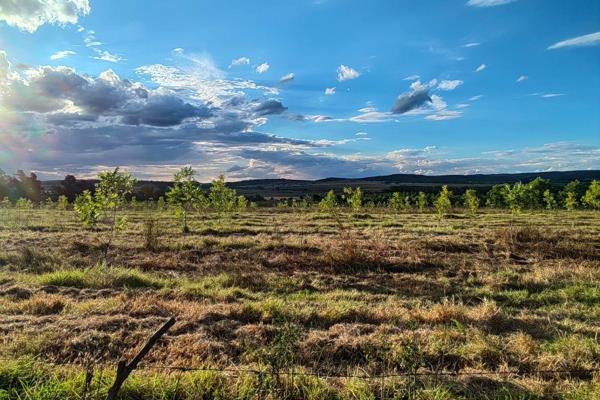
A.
pixel 124 369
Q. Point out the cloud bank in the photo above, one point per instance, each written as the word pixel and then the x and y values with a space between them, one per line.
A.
pixel 29 15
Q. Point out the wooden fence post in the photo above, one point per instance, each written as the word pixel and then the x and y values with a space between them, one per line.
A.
pixel 124 368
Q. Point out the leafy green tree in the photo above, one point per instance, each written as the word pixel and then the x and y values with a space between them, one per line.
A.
pixel 183 195
pixel 111 195
pixel 496 196
pixel 443 204
pixel 471 201
pixel 241 204
pixel 422 201
pixel 571 201
pixel 62 203
pixel 533 196
pixel 112 192
pixel 396 202
pixel 222 199
pixel 549 200
pixel 24 204
pixel 353 198
pixel 328 203
pixel 516 196
pixel 88 210
pixel 160 204
pixel 570 193
pixel 592 196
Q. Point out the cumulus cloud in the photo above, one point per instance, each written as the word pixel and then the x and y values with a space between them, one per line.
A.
pixel 239 61
pixel 481 68
pixel 62 54
pixel 444 115
pixel 413 99
pixel 330 91
pixel 76 97
pixel 449 85
pixel 592 39
pixel 262 68
pixel 488 3
pixel 269 107
pixel 197 77
pixel 105 55
pixel 287 78
pixel 346 73
pixel 29 15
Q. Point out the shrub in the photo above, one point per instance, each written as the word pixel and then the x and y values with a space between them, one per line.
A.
pixel 471 201
pixel 353 198
pixel 549 200
pixel 88 210
pixel 184 194
pixel 592 196
pixel 422 201
pixel 443 205
pixel 328 203
pixel 222 199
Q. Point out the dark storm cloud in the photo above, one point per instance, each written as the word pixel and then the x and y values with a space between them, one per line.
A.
pixel 52 89
pixel 411 100
pixel 269 107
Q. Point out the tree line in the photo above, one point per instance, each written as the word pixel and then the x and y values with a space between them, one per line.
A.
pixel 25 191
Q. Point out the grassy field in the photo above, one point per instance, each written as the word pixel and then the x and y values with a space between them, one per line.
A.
pixel 297 304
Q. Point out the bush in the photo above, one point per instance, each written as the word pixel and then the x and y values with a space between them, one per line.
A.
pixel 443 205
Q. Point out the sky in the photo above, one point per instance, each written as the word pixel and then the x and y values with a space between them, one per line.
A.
pixel 301 89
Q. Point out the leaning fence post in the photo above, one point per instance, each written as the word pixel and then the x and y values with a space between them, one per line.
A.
pixel 124 368
pixel 87 384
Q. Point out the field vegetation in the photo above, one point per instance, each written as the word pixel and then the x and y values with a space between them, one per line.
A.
pixel 422 297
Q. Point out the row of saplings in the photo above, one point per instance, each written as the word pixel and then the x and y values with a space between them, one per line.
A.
pixel 184 196
pixel 515 197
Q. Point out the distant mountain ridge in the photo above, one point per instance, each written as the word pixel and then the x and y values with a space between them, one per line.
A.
pixel 373 184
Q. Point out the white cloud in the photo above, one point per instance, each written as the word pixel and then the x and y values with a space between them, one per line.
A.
pixel 488 3
pixel 62 54
pixel 287 78
pixel 462 105
pixel 239 61
pixel 373 117
pixel 107 56
pixel 262 68
pixel 361 134
pixel 550 95
pixel 346 73
pixel 29 15
pixel 481 68
pixel 449 85
pixel 475 98
pixel 472 44
pixel 330 91
pixel 444 115
pixel 522 78
pixel 412 78
pixel 592 39
pixel 198 78
pixel 178 50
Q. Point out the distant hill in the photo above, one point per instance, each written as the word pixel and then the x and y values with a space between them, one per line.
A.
pixel 376 184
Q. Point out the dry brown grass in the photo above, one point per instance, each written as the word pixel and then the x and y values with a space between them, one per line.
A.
pixel 492 293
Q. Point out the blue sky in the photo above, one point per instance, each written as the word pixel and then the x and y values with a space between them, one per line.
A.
pixel 299 89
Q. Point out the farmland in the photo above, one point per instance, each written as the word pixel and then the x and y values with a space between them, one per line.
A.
pixel 300 303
